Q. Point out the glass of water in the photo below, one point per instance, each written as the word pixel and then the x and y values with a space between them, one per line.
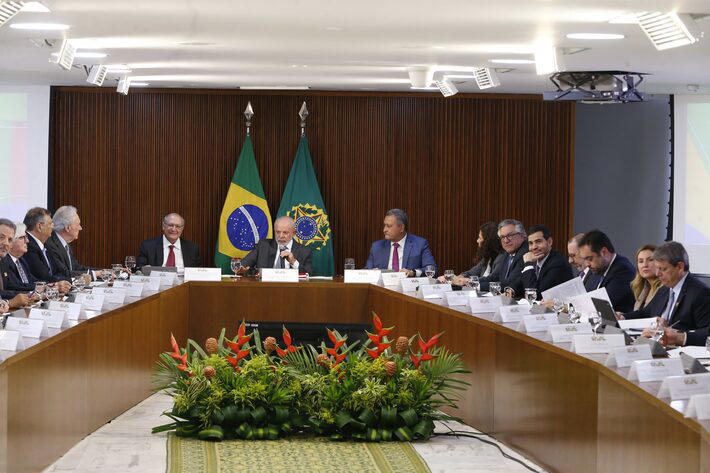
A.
pixel 557 305
pixel 449 275
pixel 116 269
pixel 531 295
pixel 79 283
pixel 130 263
pixel 475 283
pixel 595 319
pixel 236 265
pixel 349 263
pixel 429 271
pixel 40 289
pixel 574 316
pixel 494 287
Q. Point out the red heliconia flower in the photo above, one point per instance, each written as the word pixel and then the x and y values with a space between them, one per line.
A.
pixel 378 338
pixel 280 352
pixel 241 339
pixel 415 360
pixel 373 353
pixel 424 348
pixel 337 343
pixel 176 354
pixel 433 340
pixel 287 340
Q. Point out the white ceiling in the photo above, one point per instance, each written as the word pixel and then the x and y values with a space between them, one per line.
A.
pixel 338 45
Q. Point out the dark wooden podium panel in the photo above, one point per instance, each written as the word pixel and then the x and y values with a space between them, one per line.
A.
pixel 564 411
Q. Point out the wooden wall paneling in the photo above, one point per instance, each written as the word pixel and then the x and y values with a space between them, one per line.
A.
pixel 452 164
pixel 174 316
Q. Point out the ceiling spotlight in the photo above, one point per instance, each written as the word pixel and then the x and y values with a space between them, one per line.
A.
pixel 123 85
pixel 65 58
pixel 97 75
pixel 8 10
pixel 34 7
pixel 668 30
pixel 420 77
pixel 548 59
pixel 39 26
pixel 446 88
pixel 595 36
pixel 486 78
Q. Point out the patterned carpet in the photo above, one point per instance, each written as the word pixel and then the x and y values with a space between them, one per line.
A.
pixel 299 454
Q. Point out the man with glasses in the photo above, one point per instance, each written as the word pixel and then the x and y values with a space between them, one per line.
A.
pixel 9 298
pixel 39 259
pixel 169 250
pixel 509 264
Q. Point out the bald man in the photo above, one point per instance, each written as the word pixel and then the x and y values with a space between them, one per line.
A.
pixel 170 249
pixel 280 252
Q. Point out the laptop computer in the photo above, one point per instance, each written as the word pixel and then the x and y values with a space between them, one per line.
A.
pixel 606 311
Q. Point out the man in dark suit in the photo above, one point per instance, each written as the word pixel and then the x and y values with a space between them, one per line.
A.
pixel 67 226
pixel 41 262
pixel 400 250
pixel 683 300
pixel 169 250
pixel 508 265
pixel 579 265
pixel 19 276
pixel 544 267
pixel 280 252
pixel 9 299
pixel 616 271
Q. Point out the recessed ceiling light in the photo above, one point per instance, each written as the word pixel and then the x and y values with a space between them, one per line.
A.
pixel 86 54
pixel 332 28
pixel 195 43
pixel 39 26
pixel 274 87
pixel 512 61
pixel 122 68
pixel 595 36
pixel 34 7
pixel 139 84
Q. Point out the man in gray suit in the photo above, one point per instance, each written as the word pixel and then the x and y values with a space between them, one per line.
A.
pixel 280 252
pixel 67 226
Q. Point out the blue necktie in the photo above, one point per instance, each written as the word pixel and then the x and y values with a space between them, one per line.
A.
pixel 510 263
pixel 21 270
pixel 669 309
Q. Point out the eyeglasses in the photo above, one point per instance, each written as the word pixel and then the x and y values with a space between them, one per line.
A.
pixel 173 225
pixel 508 237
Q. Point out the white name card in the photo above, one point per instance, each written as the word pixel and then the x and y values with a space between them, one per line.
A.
pixel 511 313
pixel 624 356
pixel 391 279
pixel 597 343
pixel 536 322
pixel 457 298
pixel 638 324
pixel 484 305
pixel 133 289
pixel 31 328
pixel 73 310
pixel 563 333
pixel 167 278
pixel 112 295
pixel 367 276
pixel 685 387
pixel 699 406
pixel 10 340
pixel 90 301
pixel 434 291
pixel 411 284
pixel 150 283
pixel 206 274
pixel 655 370
pixel 54 318
pixel 278 275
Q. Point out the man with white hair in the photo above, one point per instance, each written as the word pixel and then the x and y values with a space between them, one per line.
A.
pixel 9 299
pixel 170 249
pixel 280 252
pixel 67 226
pixel 510 263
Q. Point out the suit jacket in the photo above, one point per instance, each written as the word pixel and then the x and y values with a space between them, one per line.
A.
pixel 34 260
pixel 416 254
pixel 5 293
pixel 691 309
pixel 513 278
pixel 591 280
pixel 54 244
pixel 554 271
pixel 618 284
pixel 151 253
pixel 14 281
pixel 263 255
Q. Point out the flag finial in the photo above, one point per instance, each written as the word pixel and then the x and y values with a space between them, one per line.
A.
pixel 303 113
pixel 248 114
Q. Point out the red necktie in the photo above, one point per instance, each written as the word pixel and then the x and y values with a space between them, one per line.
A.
pixel 170 263
pixel 395 257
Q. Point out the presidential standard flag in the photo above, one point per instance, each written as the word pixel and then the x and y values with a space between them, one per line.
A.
pixel 303 202
pixel 245 216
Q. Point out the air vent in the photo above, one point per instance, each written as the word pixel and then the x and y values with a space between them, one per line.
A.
pixel 123 85
pixel 668 30
pixel 8 10
pixel 486 78
pixel 66 55
pixel 446 88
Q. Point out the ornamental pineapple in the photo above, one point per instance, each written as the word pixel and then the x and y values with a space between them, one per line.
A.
pixel 211 346
pixel 391 368
pixel 209 371
pixel 269 345
pixel 402 345
pixel 323 360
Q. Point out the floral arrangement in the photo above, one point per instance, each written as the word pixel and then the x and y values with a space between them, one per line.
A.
pixel 252 389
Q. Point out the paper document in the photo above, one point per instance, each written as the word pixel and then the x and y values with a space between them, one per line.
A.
pixel 583 302
pixel 566 290
pixel 638 324
pixel 695 352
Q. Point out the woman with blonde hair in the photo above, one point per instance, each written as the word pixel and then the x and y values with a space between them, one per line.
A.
pixel 645 284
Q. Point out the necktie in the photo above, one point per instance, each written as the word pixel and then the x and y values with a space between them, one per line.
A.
pixel 280 261
pixel 395 257
pixel 69 256
pixel 510 263
pixel 669 309
pixel 537 270
pixel 21 270
pixel 170 263
pixel 49 265
pixel 2 285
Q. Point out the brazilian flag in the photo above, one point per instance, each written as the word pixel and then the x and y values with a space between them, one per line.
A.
pixel 245 216
pixel 303 202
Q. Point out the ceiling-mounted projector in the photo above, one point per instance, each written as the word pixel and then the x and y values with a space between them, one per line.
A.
pixel 597 86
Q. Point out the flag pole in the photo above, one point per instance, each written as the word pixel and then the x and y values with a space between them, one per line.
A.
pixel 248 114
pixel 303 113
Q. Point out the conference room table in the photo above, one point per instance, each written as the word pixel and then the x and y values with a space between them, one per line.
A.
pixel 565 411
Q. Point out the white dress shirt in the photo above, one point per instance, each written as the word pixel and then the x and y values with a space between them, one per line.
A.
pixel 176 249
pixel 287 265
pixel 607 270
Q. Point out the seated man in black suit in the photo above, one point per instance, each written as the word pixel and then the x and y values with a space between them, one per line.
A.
pixel 9 298
pixel 508 265
pixel 589 279
pixel 169 249
pixel 280 252
pixel 544 267
pixel 67 226
pixel 683 300
pixel 616 271
pixel 19 276
pixel 41 262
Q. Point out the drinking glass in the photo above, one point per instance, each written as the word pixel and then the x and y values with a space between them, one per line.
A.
pixel 531 295
pixel 657 327
pixel 449 275
pixel 116 269
pixel 79 283
pixel 595 319
pixel 51 292
pixel 349 263
pixel 494 287
pixel 236 265
pixel 557 305
pixel 574 316
pixel 429 271
pixel 475 283
pixel 106 275
pixel 40 289
pixel 130 262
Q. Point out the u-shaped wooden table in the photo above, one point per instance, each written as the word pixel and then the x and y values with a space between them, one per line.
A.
pixel 567 412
